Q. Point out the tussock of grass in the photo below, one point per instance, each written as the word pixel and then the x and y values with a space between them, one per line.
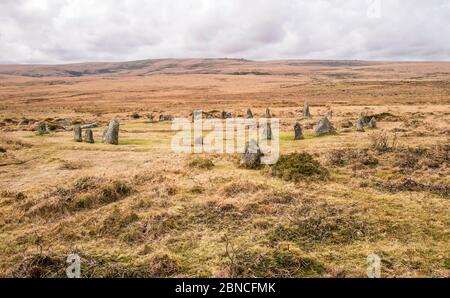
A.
pixel 237 187
pixel 272 263
pixel 343 157
pixel 50 265
pixel 85 193
pixel 297 166
pixel 201 163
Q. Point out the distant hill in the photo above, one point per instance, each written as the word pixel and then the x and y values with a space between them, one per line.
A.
pixel 176 66
pixel 338 69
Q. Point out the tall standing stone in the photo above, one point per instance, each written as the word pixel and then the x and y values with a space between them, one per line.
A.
pixel 111 134
pixel 360 123
pixel 372 123
pixel 41 128
pixel 306 112
pixel 298 132
pixel 268 114
pixel 249 114
pixel 251 158
pixel 197 115
pixel 77 134
pixel 267 131
pixel 324 126
pixel 89 136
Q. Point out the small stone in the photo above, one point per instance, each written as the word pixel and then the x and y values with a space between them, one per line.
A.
pixel 372 123
pixel 165 118
pixel 89 136
pixel 42 128
pixel 324 126
pixel 77 134
pixel 306 112
pixel 198 141
pixel 298 132
pixel 251 158
pixel 111 134
pixel 225 115
pixel 249 114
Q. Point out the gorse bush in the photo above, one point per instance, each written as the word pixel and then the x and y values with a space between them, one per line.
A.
pixel 297 166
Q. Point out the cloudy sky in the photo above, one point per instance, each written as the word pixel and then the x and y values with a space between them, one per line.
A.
pixel 63 31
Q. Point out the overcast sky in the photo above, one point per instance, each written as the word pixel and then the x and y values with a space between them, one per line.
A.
pixel 64 31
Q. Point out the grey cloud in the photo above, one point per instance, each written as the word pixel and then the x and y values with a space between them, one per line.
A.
pixel 63 31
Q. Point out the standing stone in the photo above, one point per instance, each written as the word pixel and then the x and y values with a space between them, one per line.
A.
pixel 372 123
pixel 251 158
pixel 89 136
pixel 267 131
pixel 196 115
pixel 360 123
pixel 298 132
pixel 111 134
pixel 306 112
pixel 324 126
pixel 77 134
pixel 165 118
pixel 249 114
pixel 225 115
pixel 198 141
pixel 268 114
pixel 41 128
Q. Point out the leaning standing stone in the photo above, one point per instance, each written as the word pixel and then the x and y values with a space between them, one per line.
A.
pixel 306 112
pixel 77 134
pixel 249 114
pixel 41 128
pixel 89 136
pixel 251 158
pixel 372 123
pixel 298 132
pixel 324 126
pixel 111 135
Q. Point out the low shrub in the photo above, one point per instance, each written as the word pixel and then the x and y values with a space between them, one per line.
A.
pixel 296 166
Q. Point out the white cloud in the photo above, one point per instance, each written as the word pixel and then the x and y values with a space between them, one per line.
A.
pixel 56 31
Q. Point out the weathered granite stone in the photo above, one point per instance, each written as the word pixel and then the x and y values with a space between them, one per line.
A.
pixel 306 112
pixel 268 114
pixel 42 128
pixel 267 131
pixel 251 158
pixel 111 134
pixel 249 114
pixel 77 134
pixel 324 126
pixel 225 115
pixel 165 118
pixel 360 123
pixel 197 115
pixel 89 136
pixel 298 133
pixel 372 123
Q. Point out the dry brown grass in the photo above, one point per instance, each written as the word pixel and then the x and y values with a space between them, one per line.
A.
pixel 139 210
